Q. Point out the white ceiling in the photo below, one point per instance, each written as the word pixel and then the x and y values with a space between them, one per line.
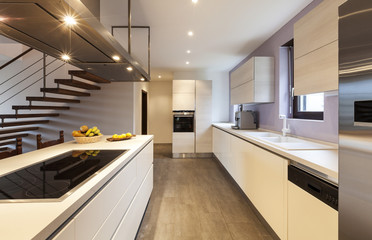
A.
pixel 225 31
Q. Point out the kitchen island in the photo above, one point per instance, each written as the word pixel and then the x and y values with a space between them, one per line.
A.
pixel 109 204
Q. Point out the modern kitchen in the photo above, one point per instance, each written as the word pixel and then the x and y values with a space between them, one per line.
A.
pixel 192 119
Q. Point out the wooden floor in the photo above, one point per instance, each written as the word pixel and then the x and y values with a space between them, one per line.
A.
pixel 195 199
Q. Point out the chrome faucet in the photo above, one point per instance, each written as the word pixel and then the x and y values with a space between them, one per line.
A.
pixel 285 129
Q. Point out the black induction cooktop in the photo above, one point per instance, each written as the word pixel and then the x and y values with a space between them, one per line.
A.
pixel 57 176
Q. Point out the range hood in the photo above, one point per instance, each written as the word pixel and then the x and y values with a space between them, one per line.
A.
pixel 40 24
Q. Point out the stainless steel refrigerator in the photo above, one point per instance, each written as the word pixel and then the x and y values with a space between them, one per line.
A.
pixel 355 120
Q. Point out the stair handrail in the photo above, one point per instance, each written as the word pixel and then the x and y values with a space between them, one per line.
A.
pixel 24 79
pixel 16 58
pixel 64 63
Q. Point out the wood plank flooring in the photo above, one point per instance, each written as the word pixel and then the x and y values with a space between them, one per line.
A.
pixel 195 199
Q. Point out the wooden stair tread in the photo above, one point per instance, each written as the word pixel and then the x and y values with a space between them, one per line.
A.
pixel 77 84
pixel 35 115
pixel 14 130
pixel 14 136
pixel 51 99
pixel 88 76
pixel 8 143
pixel 3 149
pixel 20 123
pixel 65 92
pixel 28 107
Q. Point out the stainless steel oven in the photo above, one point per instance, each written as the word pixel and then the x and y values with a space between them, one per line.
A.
pixel 183 121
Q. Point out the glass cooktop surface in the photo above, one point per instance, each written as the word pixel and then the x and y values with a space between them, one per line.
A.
pixel 55 177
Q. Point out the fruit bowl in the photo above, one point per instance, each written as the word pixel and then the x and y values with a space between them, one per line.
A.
pixel 83 140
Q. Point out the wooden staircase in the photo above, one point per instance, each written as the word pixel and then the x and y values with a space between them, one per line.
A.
pixel 12 129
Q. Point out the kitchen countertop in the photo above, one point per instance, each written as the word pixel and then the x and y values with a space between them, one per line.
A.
pixel 323 163
pixel 39 219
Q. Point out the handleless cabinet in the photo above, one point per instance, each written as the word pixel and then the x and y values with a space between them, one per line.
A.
pixel 184 95
pixel 261 175
pixel 253 81
pixel 316 49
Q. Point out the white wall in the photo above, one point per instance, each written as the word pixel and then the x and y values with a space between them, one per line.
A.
pixel 160 111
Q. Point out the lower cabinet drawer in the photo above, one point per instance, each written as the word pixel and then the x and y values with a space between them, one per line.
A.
pixel 90 219
pixel 128 227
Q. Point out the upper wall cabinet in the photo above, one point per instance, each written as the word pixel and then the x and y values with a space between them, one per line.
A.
pixel 253 82
pixel 316 49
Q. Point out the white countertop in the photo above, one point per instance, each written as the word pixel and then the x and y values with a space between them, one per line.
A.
pixel 37 220
pixel 323 161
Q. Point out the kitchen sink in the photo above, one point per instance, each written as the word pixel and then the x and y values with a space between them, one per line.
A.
pixel 291 143
pixel 281 139
pixel 262 134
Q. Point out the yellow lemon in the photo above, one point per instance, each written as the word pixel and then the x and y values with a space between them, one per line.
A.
pixel 123 135
pixel 115 136
pixel 129 135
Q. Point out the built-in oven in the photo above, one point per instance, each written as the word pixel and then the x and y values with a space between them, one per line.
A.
pixel 183 121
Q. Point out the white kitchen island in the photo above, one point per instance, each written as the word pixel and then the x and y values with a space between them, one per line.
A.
pixel 109 205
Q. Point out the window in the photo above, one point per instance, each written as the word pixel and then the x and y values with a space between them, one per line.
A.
pixel 309 106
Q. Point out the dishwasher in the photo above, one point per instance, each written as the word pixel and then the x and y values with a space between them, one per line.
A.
pixel 312 207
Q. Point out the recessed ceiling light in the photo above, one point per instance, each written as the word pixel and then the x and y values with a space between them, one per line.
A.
pixel 188 51
pixel 116 58
pixel 2 19
pixel 159 76
pixel 129 69
pixel 187 62
pixel 69 20
pixel 142 79
pixel 66 57
pixel 194 1
pixel 190 33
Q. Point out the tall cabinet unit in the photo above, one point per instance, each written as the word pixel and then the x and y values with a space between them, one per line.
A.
pixel 193 95
pixel 253 82
pixel 203 117
pixel 316 49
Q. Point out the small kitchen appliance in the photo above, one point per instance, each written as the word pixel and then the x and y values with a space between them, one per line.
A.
pixel 245 120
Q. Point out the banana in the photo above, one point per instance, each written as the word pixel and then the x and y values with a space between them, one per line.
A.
pixel 88 132
pixel 94 129
pixel 91 134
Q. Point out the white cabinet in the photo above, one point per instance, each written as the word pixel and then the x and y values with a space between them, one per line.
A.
pixel 221 147
pixel 67 233
pixel 194 95
pixel 203 117
pixel 100 217
pixel 310 218
pixel 184 95
pixel 261 174
pixel 183 142
pixel 253 82
pixel 316 49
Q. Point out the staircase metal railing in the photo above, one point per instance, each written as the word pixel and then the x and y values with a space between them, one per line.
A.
pixel 43 69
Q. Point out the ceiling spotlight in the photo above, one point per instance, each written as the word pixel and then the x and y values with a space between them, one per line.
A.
pixel 190 33
pixel 116 58
pixel 2 19
pixel 129 69
pixel 194 1
pixel 188 51
pixel 159 76
pixel 142 79
pixel 66 57
pixel 187 62
pixel 69 20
